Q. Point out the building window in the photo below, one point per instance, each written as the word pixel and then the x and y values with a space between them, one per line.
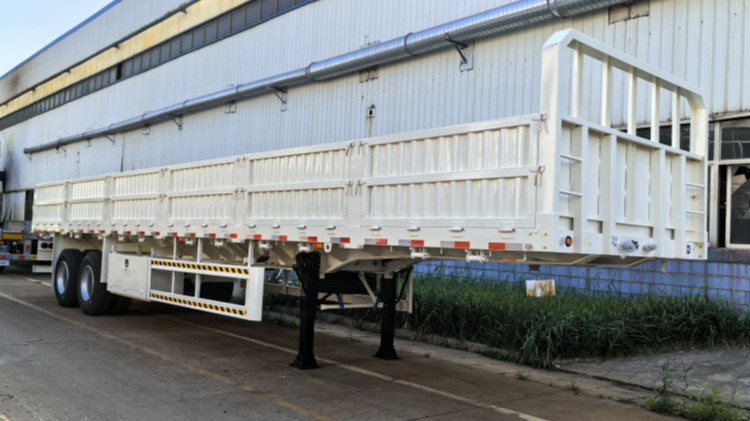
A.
pixel 729 216
pixel 223 26
pixel 738 205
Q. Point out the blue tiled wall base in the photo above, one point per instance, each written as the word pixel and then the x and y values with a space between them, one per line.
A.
pixel 725 275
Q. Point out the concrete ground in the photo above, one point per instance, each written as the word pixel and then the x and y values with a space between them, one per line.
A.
pixel 697 372
pixel 162 363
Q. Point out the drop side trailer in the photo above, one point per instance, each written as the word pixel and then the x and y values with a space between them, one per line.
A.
pixel 562 187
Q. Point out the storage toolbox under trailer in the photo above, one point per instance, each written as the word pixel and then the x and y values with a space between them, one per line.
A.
pixel 351 219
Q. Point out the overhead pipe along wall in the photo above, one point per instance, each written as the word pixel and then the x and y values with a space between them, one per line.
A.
pixel 481 25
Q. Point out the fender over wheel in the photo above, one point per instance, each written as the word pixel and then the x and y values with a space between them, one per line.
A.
pixel 65 277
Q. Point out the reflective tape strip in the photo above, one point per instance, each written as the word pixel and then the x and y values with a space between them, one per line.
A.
pixel 279 237
pixel 376 241
pixel 198 304
pixel 199 266
pixel 455 244
pixel 340 240
pixel 505 246
pixel 411 243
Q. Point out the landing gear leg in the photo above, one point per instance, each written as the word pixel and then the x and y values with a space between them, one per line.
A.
pixel 308 272
pixel 388 287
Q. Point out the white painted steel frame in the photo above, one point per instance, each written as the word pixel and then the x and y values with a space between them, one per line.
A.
pixel 359 191
pixel 670 208
pixel 348 301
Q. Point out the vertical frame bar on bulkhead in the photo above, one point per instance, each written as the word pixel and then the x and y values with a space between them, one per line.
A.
pixel 556 68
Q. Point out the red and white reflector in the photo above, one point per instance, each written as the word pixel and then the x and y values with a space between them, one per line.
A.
pixel 505 246
pixel 455 244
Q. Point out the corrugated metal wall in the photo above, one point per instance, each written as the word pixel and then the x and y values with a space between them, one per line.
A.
pixel 119 21
pixel 703 41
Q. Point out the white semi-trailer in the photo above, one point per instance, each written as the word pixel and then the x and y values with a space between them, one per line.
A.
pixel 558 187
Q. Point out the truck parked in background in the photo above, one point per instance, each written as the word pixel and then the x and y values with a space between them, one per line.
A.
pixel 19 245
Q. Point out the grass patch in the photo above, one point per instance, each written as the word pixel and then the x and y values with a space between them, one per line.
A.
pixel 709 407
pixel 573 387
pixel 523 375
pixel 571 325
pixel 666 400
pixel 705 407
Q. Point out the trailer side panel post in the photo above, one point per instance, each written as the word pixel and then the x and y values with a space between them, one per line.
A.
pixel 308 271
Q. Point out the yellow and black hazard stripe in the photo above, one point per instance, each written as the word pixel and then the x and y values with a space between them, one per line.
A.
pixel 200 266
pixel 199 304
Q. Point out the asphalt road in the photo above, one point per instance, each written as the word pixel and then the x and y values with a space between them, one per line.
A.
pixel 164 363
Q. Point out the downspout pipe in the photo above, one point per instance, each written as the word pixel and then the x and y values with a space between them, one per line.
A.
pixel 501 19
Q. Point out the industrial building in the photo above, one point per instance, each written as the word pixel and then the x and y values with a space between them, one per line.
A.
pixel 146 84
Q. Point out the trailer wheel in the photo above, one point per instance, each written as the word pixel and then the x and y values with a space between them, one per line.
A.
pixel 93 296
pixel 118 305
pixel 65 277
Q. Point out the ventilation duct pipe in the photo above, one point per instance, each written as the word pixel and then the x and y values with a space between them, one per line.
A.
pixel 482 25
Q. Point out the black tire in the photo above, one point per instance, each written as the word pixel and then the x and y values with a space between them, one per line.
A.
pixel 2 269
pixel 118 305
pixel 65 277
pixel 93 297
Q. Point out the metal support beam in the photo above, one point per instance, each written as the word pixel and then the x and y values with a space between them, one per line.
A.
pixel 465 51
pixel 177 120
pixel 283 96
pixel 308 272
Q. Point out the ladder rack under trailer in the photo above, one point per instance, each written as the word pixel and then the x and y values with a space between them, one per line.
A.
pixel 351 219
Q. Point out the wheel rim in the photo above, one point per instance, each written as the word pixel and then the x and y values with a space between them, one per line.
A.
pixel 87 283
pixel 62 278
